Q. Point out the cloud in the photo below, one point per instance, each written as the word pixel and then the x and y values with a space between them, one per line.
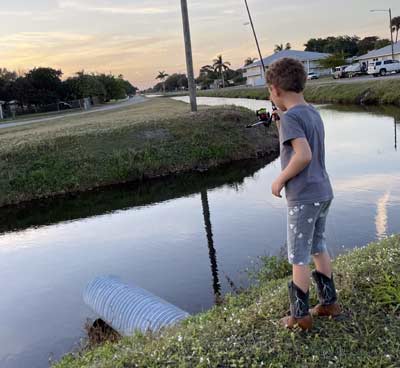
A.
pixel 90 6
pixel 136 57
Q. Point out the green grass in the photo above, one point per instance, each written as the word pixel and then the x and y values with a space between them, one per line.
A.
pixel 244 331
pixel 157 138
pixel 379 92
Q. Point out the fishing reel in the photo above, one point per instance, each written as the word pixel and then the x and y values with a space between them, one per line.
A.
pixel 265 118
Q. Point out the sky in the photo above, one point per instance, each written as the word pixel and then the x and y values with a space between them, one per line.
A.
pixel 138 38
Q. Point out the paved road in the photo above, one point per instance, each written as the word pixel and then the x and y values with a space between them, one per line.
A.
pixel 132 101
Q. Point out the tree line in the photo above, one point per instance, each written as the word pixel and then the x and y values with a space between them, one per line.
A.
pixel 44 86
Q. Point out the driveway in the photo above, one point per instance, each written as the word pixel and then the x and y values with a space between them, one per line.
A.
pixel 132 101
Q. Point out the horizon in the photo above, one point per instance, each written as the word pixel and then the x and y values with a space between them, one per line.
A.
pixel 137 41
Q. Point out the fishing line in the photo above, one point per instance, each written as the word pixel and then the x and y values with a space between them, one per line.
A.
pixel 264 117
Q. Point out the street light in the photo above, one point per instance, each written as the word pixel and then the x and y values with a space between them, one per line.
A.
pixel 390 24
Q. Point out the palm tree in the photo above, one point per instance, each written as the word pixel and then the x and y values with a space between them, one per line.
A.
pixel 249 61
pixel 220 66
pixel 396 26
pixel 161 76
pixel 280 47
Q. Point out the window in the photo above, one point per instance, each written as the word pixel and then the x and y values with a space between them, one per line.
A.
pixel 388 62
pixel 378 63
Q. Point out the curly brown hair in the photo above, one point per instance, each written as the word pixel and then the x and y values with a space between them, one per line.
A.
pixel 287 74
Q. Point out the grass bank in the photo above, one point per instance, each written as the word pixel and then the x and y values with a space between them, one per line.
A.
pixel 243 332
pixel 153 139
pixel 380 92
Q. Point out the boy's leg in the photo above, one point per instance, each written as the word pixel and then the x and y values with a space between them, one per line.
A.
pixel 323 263
pixel 319 250
pixel 301 276
pixel 323 275
pixel 300 231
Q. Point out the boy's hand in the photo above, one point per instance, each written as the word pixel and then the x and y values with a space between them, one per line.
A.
pixel 277 115
pixel 277 187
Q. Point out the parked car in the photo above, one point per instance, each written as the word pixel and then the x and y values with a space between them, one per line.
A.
pixel 339 72
pixel 313 75
pixel 64 105
pixel 384 67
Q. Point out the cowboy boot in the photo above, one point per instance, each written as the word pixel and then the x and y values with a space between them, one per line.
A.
pixel 327 307
pixel 299 313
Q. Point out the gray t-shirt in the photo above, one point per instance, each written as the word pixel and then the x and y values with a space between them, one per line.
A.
pixel 312 184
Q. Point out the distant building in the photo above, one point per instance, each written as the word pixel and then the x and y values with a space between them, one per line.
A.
pixel 255 75
pixel 384 53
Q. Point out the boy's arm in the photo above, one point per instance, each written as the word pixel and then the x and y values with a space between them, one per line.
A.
pixel 301 158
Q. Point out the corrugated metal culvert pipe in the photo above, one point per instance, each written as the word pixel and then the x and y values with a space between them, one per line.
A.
pixel 129 308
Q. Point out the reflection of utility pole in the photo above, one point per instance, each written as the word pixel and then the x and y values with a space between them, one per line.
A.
pixel 395 133
pixel 211 248
pixel 189 57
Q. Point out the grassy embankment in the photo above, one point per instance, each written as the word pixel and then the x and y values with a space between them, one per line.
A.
pixel 153 139
pixel 244 332
pixel 371 92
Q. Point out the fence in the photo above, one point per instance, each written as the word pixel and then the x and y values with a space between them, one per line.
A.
pixel 12 109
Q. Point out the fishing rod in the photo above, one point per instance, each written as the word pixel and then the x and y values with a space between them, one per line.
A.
pixel 265 118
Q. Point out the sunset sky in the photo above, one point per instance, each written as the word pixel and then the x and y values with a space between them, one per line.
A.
pixel 137 38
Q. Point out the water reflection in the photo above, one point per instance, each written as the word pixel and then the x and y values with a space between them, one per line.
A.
pixel 122 197
pixel 381 216
pixel 396 122
pixel 211 248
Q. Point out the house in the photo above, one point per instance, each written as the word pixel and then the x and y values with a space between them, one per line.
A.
pixel 255 75
pixel 384 53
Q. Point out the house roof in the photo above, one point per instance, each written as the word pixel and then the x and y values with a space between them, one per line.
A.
pixel 294 54
pixel 384 51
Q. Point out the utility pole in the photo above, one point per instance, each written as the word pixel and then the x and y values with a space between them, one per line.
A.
pixel 255 35
pixel 391 31
pixel 189 57
pixel 390 25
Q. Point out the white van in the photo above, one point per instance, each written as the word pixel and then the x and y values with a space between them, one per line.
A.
pixel 339 72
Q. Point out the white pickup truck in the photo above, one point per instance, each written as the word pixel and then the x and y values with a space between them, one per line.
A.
pixel 384 67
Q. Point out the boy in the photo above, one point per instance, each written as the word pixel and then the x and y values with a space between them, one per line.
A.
pixel 308 192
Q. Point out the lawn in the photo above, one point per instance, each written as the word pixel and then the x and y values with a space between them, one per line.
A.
pixel 139 142
pixel 371 92
pixel 244 330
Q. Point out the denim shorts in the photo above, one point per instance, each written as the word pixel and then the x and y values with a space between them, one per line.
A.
pixel 306 231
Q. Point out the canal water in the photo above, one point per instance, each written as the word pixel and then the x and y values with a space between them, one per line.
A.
pixel 185 238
